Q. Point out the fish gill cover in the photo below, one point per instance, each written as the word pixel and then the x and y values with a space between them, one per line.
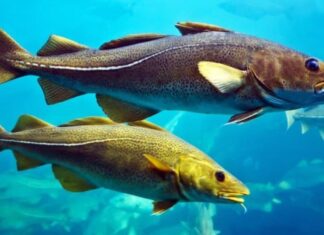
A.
pixel 283 169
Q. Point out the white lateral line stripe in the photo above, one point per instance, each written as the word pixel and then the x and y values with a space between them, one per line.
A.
pixel 110 68
pixel 67 144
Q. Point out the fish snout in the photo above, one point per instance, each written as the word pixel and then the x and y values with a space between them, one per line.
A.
pixel 236 197
pixel 319 88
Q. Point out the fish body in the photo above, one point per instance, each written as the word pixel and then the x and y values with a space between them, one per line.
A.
pixel 138 160
pixel 208 69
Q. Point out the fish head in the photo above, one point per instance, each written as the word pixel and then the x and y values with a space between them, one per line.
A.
pixel 206 181
pixel 288 79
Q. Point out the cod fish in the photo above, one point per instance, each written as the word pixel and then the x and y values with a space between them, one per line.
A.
pixel 208 70
pixel 310 117
pixel 139 158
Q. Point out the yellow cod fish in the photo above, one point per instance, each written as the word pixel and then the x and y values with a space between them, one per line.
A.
pixel 139 158
pixel 207 69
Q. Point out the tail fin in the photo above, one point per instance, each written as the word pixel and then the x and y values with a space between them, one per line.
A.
pixel 2 130
pixel 9 49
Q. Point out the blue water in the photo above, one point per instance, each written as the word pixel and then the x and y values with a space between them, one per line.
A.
pixel 283 168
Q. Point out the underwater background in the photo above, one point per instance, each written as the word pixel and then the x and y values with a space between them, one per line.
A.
pixel 283 168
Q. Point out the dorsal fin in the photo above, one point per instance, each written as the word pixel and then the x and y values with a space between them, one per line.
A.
pixel 26 122
pixel 70 181
pixel 131 40
pixel 195 27
pixel 55 93
pixel 57 45
pixel 146 124
pixel 121 111
pixel 89 121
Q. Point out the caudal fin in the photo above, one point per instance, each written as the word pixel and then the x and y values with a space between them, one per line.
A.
pixel 9 51
pixel 2 130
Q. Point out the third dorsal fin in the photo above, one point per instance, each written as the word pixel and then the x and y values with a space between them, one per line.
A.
pixel 195 27
pixel 26 122
pixel 57 45
pixel 131 40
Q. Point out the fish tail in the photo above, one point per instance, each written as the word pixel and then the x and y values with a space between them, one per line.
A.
pixel 11 53
pixel 2 131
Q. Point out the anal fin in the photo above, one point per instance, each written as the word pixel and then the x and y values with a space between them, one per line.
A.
pixel 247 116
pixel 121 111
pixel 55 93
pixel 24 162
pixel 159 207
pixel 70 181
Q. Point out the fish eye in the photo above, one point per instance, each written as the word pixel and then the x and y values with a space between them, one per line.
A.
pixel 312 64
pixel 220 176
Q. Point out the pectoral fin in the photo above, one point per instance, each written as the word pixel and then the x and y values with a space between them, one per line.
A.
pixel 24 162
pixel 158 166
pixel 224 78
pixel 247 116
pixel 159 207
pixel 89 121
pixel 130 40
pixel 121 111
pixel 194 27
pixel 70 180
pixel 55 93
pixel 321 131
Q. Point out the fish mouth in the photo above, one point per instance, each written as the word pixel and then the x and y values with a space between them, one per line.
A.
pixel 319 88
pixel 234 197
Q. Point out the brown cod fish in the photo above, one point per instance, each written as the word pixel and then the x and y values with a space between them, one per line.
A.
pixel 139 158
pixel 208 69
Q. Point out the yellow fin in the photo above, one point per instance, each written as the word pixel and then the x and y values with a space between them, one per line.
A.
pixel 89 121
pixel 195 27
pixel 70 181
pixel 290 117
pixel 146 124
pixel 224 78
pixel 156 164
pixel 24 162
pixel 26 122
pixel 130 40
pixel 55 93
pixel 159 207
pixel 9 47
pixel 57 45
pixel 120 111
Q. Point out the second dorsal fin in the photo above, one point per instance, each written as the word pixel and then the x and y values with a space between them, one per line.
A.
pixel 146 124
pixel 195 27
pixel 131 40
pixel 89 121
pixel 57 45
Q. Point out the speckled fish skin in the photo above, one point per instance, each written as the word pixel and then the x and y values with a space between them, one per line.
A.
pixel 163 74
pixel 112 156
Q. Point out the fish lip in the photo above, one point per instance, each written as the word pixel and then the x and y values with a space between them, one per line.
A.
pixel 319 88
pixel 233 196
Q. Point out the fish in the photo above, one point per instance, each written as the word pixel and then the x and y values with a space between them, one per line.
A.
pixel 208 69
pixel 308 118
pixel 139 158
